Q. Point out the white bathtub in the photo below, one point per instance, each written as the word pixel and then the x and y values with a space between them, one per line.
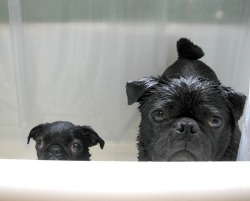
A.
pixel 31 180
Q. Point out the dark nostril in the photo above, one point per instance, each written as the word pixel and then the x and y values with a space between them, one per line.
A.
pixel 193 129
pixel 180 128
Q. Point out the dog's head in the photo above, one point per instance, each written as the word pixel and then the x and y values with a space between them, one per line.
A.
pixel 63 140
pixel 187 117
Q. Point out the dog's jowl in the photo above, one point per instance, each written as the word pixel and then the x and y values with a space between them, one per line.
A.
pixel 62 140
pixel 187 114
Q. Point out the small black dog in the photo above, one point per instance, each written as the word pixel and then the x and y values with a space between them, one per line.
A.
pixel 186 114
pixel 62 140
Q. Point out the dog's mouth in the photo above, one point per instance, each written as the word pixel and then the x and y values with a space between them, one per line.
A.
pixel 182 156
pixel 55 158
pixel 52 157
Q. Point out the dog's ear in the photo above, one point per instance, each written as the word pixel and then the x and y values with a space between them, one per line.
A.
pixel 91 136
pixel 135 89
pixel 35 131
pixel 237 101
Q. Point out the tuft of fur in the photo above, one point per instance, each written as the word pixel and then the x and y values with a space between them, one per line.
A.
pixel 187 64
pixel 187 50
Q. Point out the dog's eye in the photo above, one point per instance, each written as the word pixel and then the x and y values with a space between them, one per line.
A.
pixel 215 122
pixel 158 115
pixel 39 144
pixel 75 147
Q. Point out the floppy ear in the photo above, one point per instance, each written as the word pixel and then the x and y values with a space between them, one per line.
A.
pixel 135 89
pixel 35 131
pixel 237 101
pixel 91 136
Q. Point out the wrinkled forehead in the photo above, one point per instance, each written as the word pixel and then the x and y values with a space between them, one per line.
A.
pixel 60 127
pixel 53 135
pixel 187 93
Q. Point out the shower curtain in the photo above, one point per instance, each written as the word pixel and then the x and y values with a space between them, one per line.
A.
pixel 70 60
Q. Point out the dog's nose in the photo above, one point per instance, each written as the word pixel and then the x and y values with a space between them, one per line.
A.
pixel 55 150
pixel 187 126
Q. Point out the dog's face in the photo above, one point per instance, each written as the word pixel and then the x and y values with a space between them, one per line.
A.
pixel 186 114
pixel 64 141
pixel 186 119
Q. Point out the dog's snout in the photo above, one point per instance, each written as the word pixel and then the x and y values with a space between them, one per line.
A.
pixel 187 126
pixel 55 150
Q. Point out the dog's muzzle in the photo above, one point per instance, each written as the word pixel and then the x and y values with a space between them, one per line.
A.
pixel 188 130
pixel 54 152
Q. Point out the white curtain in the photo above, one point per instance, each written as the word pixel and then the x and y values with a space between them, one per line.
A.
pixel 70 60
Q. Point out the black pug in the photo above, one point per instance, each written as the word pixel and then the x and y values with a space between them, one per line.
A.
pixel 62 140
pixel 186 114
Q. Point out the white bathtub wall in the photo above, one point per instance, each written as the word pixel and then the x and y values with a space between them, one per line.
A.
pixel 70 60
pixel 122 181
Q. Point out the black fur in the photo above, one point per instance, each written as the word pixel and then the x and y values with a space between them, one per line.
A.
pixel 187 50
pixel 186 114
pixel 62 140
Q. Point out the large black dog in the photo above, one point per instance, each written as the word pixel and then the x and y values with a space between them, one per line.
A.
pixel 187 114
pixel 62 140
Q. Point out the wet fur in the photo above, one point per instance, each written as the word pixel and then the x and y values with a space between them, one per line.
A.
pixel 188 93
pixel 54 141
